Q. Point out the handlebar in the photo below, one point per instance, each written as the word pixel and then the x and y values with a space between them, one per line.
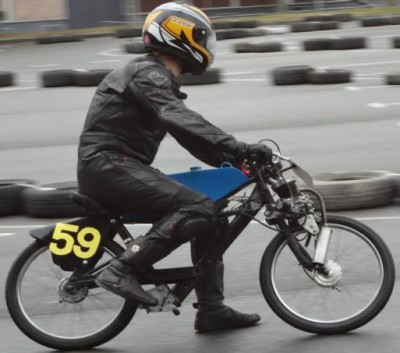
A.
pixel 279 156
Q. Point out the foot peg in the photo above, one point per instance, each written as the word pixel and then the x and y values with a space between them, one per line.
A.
pixel 166 300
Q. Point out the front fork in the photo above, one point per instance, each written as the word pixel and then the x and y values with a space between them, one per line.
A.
pixel 322 234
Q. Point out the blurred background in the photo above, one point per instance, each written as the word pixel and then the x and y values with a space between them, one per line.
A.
pixel 18 16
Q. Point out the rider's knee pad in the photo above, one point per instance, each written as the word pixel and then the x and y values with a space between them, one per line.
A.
pixel 193 227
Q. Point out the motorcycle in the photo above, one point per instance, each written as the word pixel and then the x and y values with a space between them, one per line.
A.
pixel 323 274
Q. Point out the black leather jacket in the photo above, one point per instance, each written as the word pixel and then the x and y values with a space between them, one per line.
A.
pixel 135 106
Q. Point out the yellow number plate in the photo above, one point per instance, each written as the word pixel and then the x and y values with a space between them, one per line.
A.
pixel 69 239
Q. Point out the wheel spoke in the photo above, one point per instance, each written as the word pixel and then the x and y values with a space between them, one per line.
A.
pixel 58 316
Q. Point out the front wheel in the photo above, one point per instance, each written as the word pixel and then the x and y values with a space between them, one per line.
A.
pixel 50 312
pixel 359 280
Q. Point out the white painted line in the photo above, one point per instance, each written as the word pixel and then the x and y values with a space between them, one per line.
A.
pixel 45 65
pixel 381 105
pixel 6 234
pixel 365 78
pixel 239 73
pixel 376 105
pixel 243 80
pixel 5 46
pixel 105 61
pixel 16 89
pixel 372 74
pixel 113 52
pixel 363 64
pixel 354 88
pixel 386 218
pixel 29 226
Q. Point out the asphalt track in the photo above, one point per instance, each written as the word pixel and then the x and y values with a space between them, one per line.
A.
pixel 345 127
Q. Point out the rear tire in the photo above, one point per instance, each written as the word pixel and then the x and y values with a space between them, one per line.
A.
pixel 79 320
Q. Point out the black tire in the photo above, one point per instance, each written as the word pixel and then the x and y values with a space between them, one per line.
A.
pixel 343 17
pixel 373 21
pixel 304 26
pixel 393 78
pixel 128 32
pixel 291 75
pixel 6 78
pixel 266 47
pixel 324 26
pixel 28 325
pixel 222 25
pixel 135 48
pixel 396 183
pixel 58 39
pixel 91 77
pixel 319 18
pixel 354 190
pixel 317 44
pixel 395 20
pixel 349 43
pixel 51 201
pixel 10 195
pixel 319 77
pixel 278 301
pixel 211 76
pixel 244 24
pixel 58 78
pixel 233 33
pixel 256 32
pixel 396 42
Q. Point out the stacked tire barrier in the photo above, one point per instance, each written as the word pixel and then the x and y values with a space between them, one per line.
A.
pixel 314 26
pixel 393 78
pixel 342 43
pixel 341 191
pixel 86 78
pixel 302 74
pixel 6 78
pixel 59 38
pixel 64 78
pixel 10 195
pixel 258 47
pixel 211 76
pixel 386 20
pixel 135 48
pixel 355 190
pixel 50 201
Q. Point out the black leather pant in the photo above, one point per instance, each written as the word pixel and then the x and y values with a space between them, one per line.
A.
pixel 125 184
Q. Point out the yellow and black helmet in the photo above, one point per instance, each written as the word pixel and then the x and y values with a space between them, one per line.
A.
pixel 183 31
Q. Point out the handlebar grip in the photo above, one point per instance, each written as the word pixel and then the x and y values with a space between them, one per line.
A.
pixel 253 157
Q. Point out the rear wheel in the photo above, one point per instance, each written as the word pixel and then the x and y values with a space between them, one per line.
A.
pixel 358 286
pixel 57 316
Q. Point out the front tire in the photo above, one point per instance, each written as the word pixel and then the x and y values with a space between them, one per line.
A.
pixel 49 314
pixel 361 281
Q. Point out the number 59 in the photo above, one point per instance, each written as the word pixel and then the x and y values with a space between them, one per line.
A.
pixel 84 245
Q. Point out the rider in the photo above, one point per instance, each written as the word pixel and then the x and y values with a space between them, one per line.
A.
pixel 131 112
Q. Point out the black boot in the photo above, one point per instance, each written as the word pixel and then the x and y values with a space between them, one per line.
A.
pixel 119 276
pixel 212 313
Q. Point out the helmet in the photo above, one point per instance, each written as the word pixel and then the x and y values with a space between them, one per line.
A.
pixel 183 31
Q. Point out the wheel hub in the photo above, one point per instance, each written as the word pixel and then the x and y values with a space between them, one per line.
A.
pixel 68 292
pixel 332 276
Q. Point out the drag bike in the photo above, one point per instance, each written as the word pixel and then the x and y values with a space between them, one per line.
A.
pixel 324 274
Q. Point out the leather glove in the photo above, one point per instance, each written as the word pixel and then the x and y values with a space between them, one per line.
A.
pixel 263 152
